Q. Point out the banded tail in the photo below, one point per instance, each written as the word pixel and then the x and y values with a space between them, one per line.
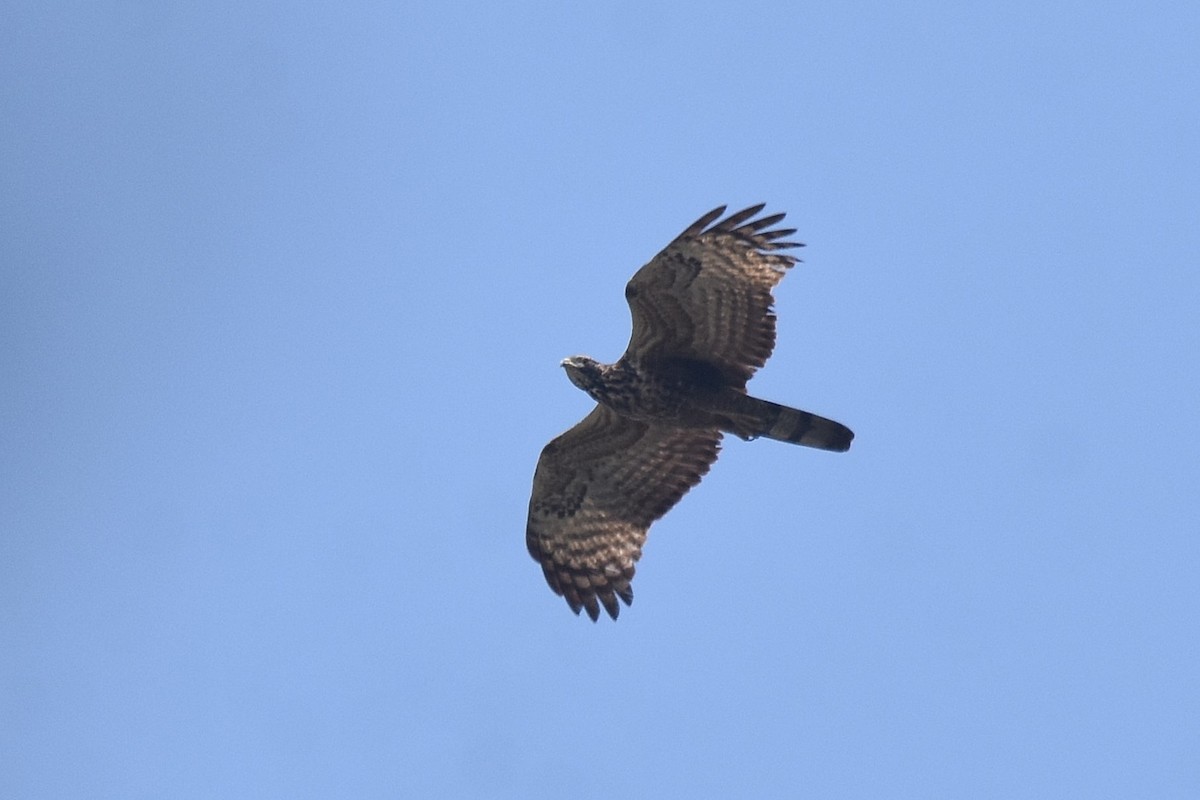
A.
pixel 751 417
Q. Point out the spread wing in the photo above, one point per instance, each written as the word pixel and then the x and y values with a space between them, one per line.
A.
pixel 596 490
pixel 707 295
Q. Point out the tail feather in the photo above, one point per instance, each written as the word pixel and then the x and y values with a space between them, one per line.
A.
pixel 753 417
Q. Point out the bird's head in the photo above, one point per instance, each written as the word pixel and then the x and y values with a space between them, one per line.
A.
pixel 584 372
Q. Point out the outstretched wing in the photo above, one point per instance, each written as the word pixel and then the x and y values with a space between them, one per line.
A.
pixel 596 490
pixel 707 295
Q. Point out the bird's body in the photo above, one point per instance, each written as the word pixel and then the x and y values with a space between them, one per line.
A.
pixel 659 392
pixel 690 394
pixel 702 324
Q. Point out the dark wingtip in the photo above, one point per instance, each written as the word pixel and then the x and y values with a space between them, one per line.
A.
pixel 699 225
pixel 734 220
pixel 588 591
pixel 753 232
pixel 607 597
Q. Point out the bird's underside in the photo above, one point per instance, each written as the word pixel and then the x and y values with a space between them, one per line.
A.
pixel 702 324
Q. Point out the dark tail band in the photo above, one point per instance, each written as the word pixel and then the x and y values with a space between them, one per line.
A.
pixel 757 417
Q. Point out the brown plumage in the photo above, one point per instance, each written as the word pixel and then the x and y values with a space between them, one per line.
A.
pixel 702 324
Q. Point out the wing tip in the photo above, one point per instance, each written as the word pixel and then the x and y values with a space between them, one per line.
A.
pixel 701 224
pixel 742 224
pixel 586 589
pixel 591 600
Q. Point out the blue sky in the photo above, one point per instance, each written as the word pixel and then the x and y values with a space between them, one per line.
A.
pixel 284 290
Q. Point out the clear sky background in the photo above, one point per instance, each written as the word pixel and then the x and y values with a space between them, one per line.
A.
pixel 284 291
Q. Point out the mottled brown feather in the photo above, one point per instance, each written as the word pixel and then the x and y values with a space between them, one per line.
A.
pixel 707 295
pixel 596 490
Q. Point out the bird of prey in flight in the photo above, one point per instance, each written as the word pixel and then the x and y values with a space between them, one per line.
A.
pixel 702 324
